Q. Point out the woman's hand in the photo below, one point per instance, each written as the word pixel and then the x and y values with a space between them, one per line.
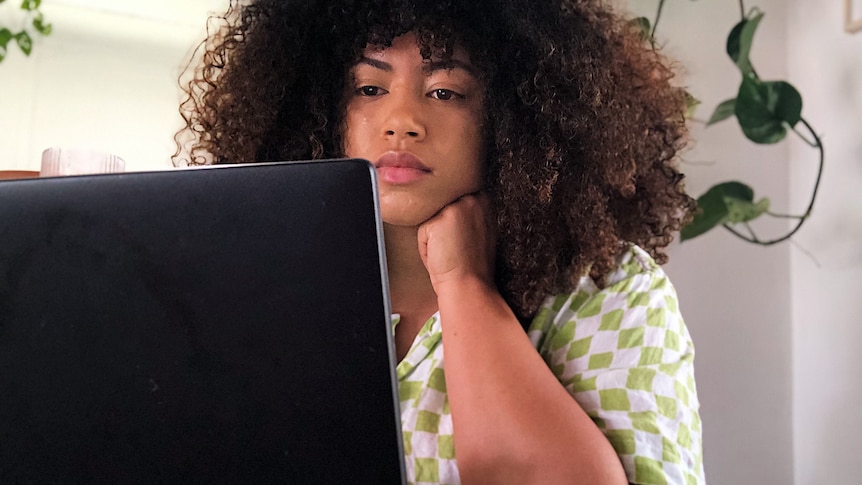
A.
pixel 458 243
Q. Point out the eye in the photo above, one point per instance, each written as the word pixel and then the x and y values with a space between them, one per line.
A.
pixel 369 91
pixel 445 94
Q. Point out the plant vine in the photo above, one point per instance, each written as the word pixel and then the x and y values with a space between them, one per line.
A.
pixel 766 111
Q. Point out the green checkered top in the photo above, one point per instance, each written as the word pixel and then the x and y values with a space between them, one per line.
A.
pixel 622 352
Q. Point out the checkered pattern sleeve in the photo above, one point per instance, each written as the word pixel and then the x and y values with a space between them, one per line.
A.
pixel 625 355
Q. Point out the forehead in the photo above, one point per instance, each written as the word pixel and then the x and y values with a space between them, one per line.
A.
pixel 408 48
pixel 430 45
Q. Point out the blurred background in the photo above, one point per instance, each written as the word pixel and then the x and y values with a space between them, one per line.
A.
pixel 776 328
pixel 105 79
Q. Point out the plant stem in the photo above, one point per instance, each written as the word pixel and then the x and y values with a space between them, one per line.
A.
pixel 819 145
pixel 655 22
pixel 806 140
pixel 783 216
pixel 752 240
pixel 742 9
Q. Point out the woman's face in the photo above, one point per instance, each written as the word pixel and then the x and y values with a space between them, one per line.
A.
pixel 420 124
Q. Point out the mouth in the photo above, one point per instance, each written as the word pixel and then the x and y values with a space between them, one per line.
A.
pixel 401 160
pixel 400 168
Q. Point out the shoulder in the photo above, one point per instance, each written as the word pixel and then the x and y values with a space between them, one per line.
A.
pixel 637 293
pixel 633 262
pixel 623 352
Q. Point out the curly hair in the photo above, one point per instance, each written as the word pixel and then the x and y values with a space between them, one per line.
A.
pixel 583 126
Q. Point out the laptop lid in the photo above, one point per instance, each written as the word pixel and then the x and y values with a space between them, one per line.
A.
pixel 220 324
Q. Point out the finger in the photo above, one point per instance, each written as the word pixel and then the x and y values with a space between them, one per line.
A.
pixel 422 240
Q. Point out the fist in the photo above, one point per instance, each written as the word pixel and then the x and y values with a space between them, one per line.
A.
pixel 458 242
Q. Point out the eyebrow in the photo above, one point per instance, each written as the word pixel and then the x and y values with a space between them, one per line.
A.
pixel 429 67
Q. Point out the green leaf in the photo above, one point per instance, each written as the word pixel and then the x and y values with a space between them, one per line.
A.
pixel 24 42
pixel 40 25
pixel 787 102
pixel 713 208
pixel 722 112
pixel 763 109
pixel 739 42
pixel 5 37
pixel 743 210
pixel 711 212
pixel 30 5
pixel 691 104
pixel 732 46
pixel 735 190
pixel 642 24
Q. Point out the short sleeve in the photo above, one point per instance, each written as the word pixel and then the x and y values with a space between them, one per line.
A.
pixel 625 355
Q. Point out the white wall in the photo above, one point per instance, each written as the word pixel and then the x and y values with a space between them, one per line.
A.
pixel 826 65
pixel 105 79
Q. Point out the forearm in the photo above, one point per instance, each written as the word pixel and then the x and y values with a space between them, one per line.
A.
pixel 514 422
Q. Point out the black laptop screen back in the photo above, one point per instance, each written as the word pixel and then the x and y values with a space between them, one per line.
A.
pixel 225 324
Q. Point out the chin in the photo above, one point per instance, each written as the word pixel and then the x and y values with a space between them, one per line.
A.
pixel 403 220
pixel 406 217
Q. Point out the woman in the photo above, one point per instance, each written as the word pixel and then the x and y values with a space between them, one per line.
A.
pixel 525 154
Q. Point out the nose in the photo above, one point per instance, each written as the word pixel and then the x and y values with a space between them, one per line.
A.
pixel 403 119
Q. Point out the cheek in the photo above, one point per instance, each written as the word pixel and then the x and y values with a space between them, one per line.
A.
pixel 475 153
pixel 356 134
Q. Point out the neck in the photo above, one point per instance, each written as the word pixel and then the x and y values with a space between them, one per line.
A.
pixel 409 284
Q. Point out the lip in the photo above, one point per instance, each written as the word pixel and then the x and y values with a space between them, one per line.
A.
pixel 400 168
pixel 401 160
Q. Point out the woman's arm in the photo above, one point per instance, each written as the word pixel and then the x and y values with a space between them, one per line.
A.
pixel 513 420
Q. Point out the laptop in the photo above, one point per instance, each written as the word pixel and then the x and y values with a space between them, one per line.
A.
pixel 226 324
